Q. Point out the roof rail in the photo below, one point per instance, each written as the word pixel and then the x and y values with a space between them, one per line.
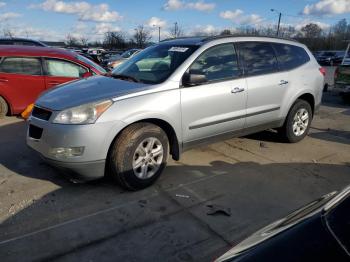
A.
pixel 183 37
pixel 210 38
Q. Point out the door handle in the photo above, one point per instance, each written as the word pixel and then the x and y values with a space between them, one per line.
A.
pixel 54 83
pixel 3 80
pixel 283 82
pixel 237 89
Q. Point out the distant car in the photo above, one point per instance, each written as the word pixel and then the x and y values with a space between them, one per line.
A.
pixel 109 57
pixel 119 59
pixel 27 71
pixel 21 41
pixel 342 81
pixel 330 58
pixel 319 231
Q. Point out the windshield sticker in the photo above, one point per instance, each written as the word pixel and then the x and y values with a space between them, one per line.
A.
pixel 178 49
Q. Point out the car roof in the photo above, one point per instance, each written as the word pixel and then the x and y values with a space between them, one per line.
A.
pixel 14 39
pixel 200 40
pixel 14 50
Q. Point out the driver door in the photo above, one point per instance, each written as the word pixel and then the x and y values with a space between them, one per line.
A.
pixel 218 105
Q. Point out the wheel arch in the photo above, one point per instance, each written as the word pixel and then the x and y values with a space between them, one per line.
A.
pixel 9 106
pixel 174 145
pixel 308 97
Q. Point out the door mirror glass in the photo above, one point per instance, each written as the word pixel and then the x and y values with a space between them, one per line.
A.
pixel 193 79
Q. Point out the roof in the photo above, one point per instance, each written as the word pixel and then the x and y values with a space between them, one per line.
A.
pixel 6 50
pixel 200 40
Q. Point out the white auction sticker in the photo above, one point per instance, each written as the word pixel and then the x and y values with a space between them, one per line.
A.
pixel 178 49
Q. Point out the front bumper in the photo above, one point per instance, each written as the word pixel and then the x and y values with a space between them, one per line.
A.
pixel 95 138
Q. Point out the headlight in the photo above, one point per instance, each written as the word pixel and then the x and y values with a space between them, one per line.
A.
pixel 84 114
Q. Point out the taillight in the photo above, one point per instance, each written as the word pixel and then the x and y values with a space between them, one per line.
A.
pixel 336 72
pixel 323 71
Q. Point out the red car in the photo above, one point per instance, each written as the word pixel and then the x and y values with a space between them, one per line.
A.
pixel 26 71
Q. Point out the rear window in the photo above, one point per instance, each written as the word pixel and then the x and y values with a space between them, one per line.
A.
pixel 290 56
pixel 21 65
pixel 258 58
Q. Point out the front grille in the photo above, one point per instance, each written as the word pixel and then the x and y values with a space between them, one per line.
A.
pixel 41 113
pixel 35 132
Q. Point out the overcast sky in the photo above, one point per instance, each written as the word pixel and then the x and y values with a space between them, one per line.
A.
pixel 54 19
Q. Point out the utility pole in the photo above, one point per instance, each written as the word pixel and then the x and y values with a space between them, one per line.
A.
pixel 158 33
pixel 175 29
pixel 279 20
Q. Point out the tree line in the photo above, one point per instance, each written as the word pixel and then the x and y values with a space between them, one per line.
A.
pixel 335 37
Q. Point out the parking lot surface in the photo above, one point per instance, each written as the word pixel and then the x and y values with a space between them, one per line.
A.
pixel 257 178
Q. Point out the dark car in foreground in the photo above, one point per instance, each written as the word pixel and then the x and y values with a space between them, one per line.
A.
pixel 27 71
pixel 319 231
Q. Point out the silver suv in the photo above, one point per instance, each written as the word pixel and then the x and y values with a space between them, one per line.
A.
pixel 171 97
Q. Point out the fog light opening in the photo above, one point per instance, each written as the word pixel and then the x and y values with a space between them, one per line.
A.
pixel 65 152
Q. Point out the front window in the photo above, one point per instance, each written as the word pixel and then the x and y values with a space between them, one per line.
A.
pixel 217 63
pixel 156 63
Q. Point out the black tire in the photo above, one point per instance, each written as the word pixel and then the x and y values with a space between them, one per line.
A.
pixel 287 130
pixel 3 107
pixel 123 150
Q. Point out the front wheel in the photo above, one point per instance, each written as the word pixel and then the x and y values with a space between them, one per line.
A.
pixel 298 122
pixel 139 156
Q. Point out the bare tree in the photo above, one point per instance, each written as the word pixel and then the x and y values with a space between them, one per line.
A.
pixel 71 40
pixel 141 36
pixel 311 30
pixel 226 32
pixel 8 33
pixel 176 31
pixel 84 41
pixel 114 40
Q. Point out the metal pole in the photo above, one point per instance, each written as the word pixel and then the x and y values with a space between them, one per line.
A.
pixel 279 22
pixel 175 29
pixel 159 34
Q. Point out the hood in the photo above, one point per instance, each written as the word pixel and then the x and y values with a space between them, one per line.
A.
pixel 87 90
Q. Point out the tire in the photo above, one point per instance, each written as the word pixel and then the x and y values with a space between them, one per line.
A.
pixel 3 107
pixel 128 156
pixel 294 124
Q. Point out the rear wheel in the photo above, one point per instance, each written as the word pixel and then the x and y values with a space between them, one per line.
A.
pixel 3 107
pixel 139 156
pixel 298 122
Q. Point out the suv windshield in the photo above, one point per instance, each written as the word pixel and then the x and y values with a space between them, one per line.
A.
pixel 156 63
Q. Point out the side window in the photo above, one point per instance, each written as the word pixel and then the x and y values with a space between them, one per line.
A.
pixel 21 65
pixel 217 63
pixel 56 67
pixel 290 56
pixel 258 58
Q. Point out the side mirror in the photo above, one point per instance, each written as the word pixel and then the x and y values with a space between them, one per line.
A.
pixel 193 79
pixel 87 74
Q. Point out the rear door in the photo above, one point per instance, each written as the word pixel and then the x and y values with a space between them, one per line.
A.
pixel 59 71
pixel 218 105
pixel 21 81
pixel 266 84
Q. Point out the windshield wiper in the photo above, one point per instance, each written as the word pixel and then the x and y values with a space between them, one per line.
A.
pixel 125 77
